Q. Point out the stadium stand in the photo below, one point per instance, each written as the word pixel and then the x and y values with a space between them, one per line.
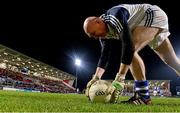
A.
pixel 159 88
pixel 21 72
pixel 156 88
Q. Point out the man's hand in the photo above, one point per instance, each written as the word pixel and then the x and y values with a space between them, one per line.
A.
pixel 93 80
pixel 118 85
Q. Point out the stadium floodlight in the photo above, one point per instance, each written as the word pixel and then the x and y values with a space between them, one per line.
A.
pixel 78 64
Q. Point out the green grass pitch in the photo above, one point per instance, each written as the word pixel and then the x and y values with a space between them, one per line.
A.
pixel 11 101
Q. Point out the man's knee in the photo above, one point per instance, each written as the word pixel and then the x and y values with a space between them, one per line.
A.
pixel 136 59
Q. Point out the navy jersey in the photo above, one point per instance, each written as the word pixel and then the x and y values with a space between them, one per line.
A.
pixel 118 29
pixel 110 53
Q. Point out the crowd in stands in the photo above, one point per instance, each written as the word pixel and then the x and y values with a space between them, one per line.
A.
pixel 20 80
pixel 156 88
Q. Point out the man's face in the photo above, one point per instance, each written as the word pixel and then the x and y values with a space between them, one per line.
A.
pixel 95 31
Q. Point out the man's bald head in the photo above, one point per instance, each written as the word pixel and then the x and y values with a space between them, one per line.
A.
pixel 89 23
pixel 94 27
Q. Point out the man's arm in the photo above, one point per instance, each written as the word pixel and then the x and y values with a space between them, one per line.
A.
pixel 99 72
pixel 127 50
pixel 127 45
pixel 101 66
pixel 110 54
pixel 105 51
pixel 118 18
pixel 103 59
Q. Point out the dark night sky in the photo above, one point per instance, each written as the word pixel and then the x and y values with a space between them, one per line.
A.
pixel 52 33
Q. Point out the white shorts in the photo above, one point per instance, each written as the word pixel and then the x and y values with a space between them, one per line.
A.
pixel 149 16
pixel 156 17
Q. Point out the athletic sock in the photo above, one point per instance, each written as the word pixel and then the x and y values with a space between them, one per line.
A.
pixel 141 87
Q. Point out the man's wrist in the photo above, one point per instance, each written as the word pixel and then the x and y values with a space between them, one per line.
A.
pixel 117 85
pixel 96 77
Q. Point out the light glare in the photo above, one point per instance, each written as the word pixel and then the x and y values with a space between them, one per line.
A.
pixel 78 62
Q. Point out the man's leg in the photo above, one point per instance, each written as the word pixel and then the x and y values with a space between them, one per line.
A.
pixel 167 54
pixel 141 37
pixel 137 68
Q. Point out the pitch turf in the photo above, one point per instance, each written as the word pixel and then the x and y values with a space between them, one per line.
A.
pixel 50 102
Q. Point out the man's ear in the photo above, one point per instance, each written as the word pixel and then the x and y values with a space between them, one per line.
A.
pixel 98 20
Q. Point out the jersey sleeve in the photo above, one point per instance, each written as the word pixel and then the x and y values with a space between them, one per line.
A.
pixel 118 17
pixel 105 52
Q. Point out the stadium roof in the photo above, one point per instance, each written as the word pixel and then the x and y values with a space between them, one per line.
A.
pixel 37 68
